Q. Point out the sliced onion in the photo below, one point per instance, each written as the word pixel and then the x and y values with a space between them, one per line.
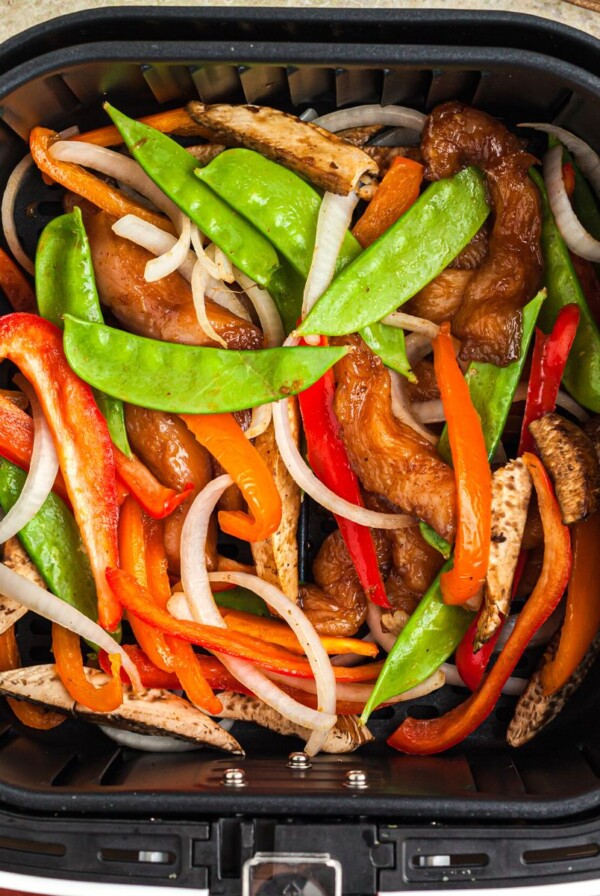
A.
pixel 202 607
pixel 219 293
pixel 433 411
pixel 207 261
pixel 259 422
pixel 512 687
pixel 153 239
pixel 418 347
pixel 42 472
pixel 46 604
pixel 587 158
pixel 412 323
pixel 171 260
pixel 358 692
pixel 544 633
pixel 265 307
pixel 402 408
pixel 572 231
pixel 224 265
pixel 335 217
pixel 13 185
pixel 372 113
pixel 396 137
pixel 308 482
pixel 148 743
pixel 199 280
pixel 384 639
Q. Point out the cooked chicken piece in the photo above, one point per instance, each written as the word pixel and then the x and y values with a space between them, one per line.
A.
pixel 474 252
pixel 416 565
pixel 489 320
pixel 511 491
pixel 426 387
pixel 396 621
pixel 152 712
pixel 206 152
pixel 389 457
pixel 441 298
pixel 325 159
pixel 385 155
pixel 535 709
pixel 16 558
pixel 345 736
pixel 276 558
pixel 571 460
pixel 162 310
pixel 360 135
pixel 176 458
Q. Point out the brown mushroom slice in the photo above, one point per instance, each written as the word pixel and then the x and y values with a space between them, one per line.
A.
pixel 346 735
pixel 152 712
pixel 570 457
pixel 535 709
pixel 324 158
pixel 16 558
pixel 511 491
pixel 206 152
pixel 276 558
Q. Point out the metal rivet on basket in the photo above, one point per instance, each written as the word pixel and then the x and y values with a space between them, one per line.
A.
pixel 299 761
pixel 234 777
pixel 356 779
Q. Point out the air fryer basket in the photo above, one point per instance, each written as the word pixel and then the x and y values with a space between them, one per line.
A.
pixel 72 803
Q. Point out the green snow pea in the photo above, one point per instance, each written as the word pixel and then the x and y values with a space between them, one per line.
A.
pixel 242 599
pixel 435 541
pixel 582 373
pixel 65 284
pixel 286 288
pixel 388 344
pixel 53 542
pixel 280 204
pixel 429 637
pixel 404 259
pixel 186 378
pixel 172 168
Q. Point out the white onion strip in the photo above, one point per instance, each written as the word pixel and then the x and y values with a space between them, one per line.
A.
pixel 259 422
pixel 335 217
pixel 202 607
pixel 417 347
pixel 266 309
pixel 372 113
pixel 513 686
pixel 224 265
pixel 219 293
pixel 308 482
pixel 13 185
pixel 411 323
pixel 587 159
pixel 572 231
pixel 171 260
pixel 211 267
pixel 153 239
pixel 46 604
pixel 42 472
pixel 199 280
pixel 402 408
pixel 359 692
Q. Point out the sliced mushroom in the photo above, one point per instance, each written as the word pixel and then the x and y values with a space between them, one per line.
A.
pixel 276 558
pixel 359 136
pixel 570 457
pixel 16 558
pixel 345 736
pixel 511 491
pixel 206 152
pixel 152 712
pixel 324 158
pixel 535 709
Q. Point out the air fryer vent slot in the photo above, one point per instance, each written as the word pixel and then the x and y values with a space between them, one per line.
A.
pixel 34 847
pixel 458 860
pixel 561 854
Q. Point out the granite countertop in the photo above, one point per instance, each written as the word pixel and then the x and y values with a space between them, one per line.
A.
pixel 17 15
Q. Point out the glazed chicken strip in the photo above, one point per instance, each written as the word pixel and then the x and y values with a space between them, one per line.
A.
pixel 161 310
pixel 171 452
pixel 16 558
pixel 440 299
pixel 323 158
pixel 389 457
pixel 489 320
pixel 276 558
pixel 426 387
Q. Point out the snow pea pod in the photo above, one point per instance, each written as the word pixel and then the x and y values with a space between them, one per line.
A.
pixel 65 284
pixel 189 379
pixel 582 373
pixel 54 544
pixel 171 168
pixel 389 345
pixel 404 259
pixel 280 204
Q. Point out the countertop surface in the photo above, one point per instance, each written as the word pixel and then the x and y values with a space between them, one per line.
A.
pixel 17 15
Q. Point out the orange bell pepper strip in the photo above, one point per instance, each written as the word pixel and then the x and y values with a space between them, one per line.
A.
pixel 173 121
pixel 27 713
pixel 472 473
pixel 156 499
pixel 88 186
pixel 398 190
pixel 222 435
pixel 582 616
pixel 15 285
pixel 80 434
pixel 422 737
pixel 69 665
pixel 279 633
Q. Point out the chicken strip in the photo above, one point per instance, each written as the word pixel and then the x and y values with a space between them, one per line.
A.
pixel 16 558
pixel 161 310
pixel 489 320
pixel 442 297
pixel 389 457
pixel 325 159
pixel 426 387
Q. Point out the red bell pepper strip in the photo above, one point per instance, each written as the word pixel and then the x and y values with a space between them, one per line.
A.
pixel 80 435
pixel 471 664
pixel 15 285
pixel 472 473
pixel 157 500
pixel 550 354
pixel 422 737
pixel 329 460
pixel 568 173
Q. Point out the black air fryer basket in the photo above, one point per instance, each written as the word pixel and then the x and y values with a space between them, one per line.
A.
pixel 73 804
